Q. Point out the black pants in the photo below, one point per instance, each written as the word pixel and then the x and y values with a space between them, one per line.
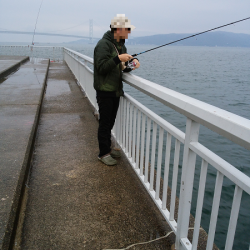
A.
pixel 108 107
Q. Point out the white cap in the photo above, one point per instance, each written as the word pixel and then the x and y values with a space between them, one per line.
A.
pixel 120 21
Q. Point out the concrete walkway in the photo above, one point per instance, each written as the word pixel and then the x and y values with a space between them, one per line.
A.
pixel 20 98
pixel 74 201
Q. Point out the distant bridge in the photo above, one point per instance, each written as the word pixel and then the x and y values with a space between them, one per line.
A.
pixel 46 34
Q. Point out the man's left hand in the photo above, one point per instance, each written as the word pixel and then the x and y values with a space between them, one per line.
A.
pixel 137 64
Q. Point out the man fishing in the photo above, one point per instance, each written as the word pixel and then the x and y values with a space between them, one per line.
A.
pixel 110 60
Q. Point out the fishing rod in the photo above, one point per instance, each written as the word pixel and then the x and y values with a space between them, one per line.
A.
pixel 36 23
pixel 191 36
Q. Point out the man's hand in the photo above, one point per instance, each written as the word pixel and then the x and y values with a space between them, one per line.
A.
pixel 125 57
pixel 137 64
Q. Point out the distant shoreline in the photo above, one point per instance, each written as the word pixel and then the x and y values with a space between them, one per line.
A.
pixel 211 39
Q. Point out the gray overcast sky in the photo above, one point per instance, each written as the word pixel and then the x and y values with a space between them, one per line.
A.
pixel 149 16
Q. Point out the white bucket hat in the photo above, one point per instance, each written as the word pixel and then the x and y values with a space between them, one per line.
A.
pixel 120 21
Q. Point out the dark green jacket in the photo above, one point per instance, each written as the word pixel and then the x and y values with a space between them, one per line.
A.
pixel 107 72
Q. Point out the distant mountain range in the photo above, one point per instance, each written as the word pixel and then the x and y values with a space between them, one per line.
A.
pixel 217 38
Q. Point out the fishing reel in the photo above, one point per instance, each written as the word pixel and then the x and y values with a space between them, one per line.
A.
pixel 131 64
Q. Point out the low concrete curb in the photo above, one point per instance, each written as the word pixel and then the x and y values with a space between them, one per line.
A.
pixel 11 227
pixel 13 67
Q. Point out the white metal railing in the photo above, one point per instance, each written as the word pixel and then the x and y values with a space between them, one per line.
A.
pixel 132 132
pixel 49 52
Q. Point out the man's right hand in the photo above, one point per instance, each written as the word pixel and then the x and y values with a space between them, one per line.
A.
pixel 125 57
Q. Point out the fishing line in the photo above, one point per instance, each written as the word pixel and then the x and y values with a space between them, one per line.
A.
pixel 191 36
pixel 147 242
pixel 143 243
pixel 36 22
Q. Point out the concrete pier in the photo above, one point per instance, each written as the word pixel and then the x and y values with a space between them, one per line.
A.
pixel 54 193
pixel 75 201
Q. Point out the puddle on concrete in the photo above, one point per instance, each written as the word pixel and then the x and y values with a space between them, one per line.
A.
pixel 56 88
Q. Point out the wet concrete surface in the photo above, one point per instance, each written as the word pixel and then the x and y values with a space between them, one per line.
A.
pixel 7 62
pixel 75 201
pixel 20 98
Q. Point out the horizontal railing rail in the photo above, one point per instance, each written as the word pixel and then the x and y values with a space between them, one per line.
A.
pixel 229 125
pixel 79 55
pixel 146 140
pixel 31 46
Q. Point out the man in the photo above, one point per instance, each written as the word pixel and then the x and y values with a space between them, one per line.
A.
pixel 110 55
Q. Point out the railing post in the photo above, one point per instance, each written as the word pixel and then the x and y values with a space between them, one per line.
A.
pixel 64 54
pixel 187 178
pixel 85 78
pixel 78 69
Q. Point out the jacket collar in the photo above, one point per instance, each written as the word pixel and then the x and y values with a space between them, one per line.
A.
pixel 110 36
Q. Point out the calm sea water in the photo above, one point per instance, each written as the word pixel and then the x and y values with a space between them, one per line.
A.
pixel 218 76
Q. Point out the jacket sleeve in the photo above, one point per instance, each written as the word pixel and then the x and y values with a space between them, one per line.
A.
pixel 102 59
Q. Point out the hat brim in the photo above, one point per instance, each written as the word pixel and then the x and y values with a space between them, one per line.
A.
pixel 129 26
pixel 132 27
